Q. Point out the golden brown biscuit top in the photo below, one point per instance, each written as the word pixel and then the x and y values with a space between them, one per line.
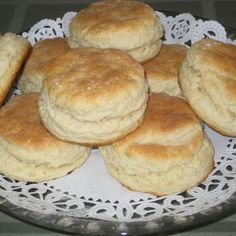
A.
pixel 170 130
pixel 166 63
pixel 43 52
pixel 90 76
pixel 117 12
pixel 14 50
pixel 215 56
pixel 20 123
pixel 216 60
pixel 119 21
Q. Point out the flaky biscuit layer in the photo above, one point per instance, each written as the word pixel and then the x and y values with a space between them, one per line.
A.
pixel 162 71
pixel 93 96
pixel 208 81
pixel 13 52
pixel 168 153
pixel 130 26
pixel 43 52
pixel 27 150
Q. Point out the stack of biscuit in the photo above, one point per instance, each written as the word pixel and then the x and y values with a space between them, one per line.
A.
pixel 116 86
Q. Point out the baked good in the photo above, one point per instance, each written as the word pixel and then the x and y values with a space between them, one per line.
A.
pixel 208 80
pixel 131 26
pixel 13 51
pixel 168 153
pixel 28 151
pixel 43 52
pixel 162 70
pixel 93 96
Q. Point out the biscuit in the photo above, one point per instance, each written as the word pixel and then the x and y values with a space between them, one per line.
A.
pixel 13 51
pixel 43 52
pixel 28 151
pixel 130 26
pixel 162 70
pixel 168 153
pixel 93 96
pixel 208 80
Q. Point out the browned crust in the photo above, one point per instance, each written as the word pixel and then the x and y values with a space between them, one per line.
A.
pixel 9 77
pixel 165 115
pixel 43 52
pixel 213 55
pixel 92 75
pixel 166 63
pixel 113 18
pixel 20 123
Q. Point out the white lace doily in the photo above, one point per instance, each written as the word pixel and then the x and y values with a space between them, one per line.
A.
pixel 90 192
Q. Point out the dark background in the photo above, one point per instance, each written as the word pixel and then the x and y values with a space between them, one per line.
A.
pixel 19 15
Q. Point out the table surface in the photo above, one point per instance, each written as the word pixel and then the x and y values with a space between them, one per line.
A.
pixel 18 15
